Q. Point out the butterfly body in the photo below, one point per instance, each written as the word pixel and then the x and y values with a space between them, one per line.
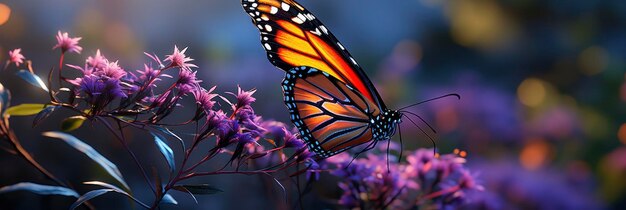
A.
pixel 330 99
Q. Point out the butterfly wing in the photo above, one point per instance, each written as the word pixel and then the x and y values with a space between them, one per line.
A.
pixel 331 115
pixel 293 37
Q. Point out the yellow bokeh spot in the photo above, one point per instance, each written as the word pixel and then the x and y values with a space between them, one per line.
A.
pixel 621 133
pixel 534 154
pixel 5 13
pixel 480 23
pixel 532 92
pixel 593 60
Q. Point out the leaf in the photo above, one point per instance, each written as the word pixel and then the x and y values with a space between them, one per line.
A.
pixel 43 114
pixel 167 198
pixel 199 189
pixel 88 196
pixel 39 189
pixel 170 133
pixel 182 189
pixel 104 184
pixel 166 151
pixel 92 153
pixel 33 79
pixel 115 189
pixel 72 123
pixel 5 98
pixel 24 109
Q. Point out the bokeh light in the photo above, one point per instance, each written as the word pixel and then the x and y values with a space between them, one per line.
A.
pixel 5 13
pixel 532 92
pixel 535 154
pixel 593 60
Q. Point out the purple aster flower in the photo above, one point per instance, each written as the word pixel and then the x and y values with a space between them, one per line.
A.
pixel 204 98
pixel 148 73
pixel 112 70
pixel 97 61
pixel 187 80
pixel 101 89
pixel 225 131
pixel 178 59
pixel 67 44
pixel 15 56
pixel 245 138
pixel 424 181
pixel 244 98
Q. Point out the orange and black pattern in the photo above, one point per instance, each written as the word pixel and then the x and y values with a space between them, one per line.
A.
pixel 294 37
pixel 330 115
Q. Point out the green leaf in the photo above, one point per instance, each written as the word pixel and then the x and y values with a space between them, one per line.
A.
pixel 39 189
pixel 167 198
pixel 45 113
pixel 166 151
pixel 91 153
pixel 88 196
pixel 24 109
pixel 116 189
pixel 72 123
pixel 199 189
pixel 33 79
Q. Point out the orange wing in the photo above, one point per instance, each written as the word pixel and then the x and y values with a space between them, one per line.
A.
pixel 293 37
pixel 330 115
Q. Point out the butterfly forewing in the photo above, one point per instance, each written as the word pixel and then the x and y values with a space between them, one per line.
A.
pixel 294 37
pixel 331 115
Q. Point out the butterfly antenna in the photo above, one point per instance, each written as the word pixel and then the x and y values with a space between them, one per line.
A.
pixel 370 146
pixel 424 132
pixel 432 99
pixel 388 145
pixel 400 134
pixel 421 119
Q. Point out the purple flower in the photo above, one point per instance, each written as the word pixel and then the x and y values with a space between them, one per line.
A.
pixel 424 181
pixel 187 80
pixel 204 98
pixel 148 73
pixel 95 86
pixel 97 61
pixel 244 98
pixel 15 56
pixel 112 70
pixel 67 44
pixel 245 138
pixel 178 59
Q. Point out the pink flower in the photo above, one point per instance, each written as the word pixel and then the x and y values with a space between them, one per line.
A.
pixel 204 98
pixel 15 56
pixel 67 44
pixel 97 61
pixel 178 59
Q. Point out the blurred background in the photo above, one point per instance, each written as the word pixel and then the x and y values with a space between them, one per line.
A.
pixel 542 85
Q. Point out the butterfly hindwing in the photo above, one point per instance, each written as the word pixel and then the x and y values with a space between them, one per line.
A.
pixel 294 37
pixel 331 115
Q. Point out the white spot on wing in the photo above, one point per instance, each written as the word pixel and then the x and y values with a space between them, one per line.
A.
pixel 285 6
pixel 340 46
pixel 264 17
pixel 268 28
pixel 297 20
pixel 273 10
pixel 310 16
pixel 267 46
pixel 353 61
pixel 317 32
pixel 301 17
pixel 324 29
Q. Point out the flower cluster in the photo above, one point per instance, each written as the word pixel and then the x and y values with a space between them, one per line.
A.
pixel 425 180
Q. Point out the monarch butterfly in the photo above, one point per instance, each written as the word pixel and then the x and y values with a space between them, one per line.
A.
pixel 331 101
